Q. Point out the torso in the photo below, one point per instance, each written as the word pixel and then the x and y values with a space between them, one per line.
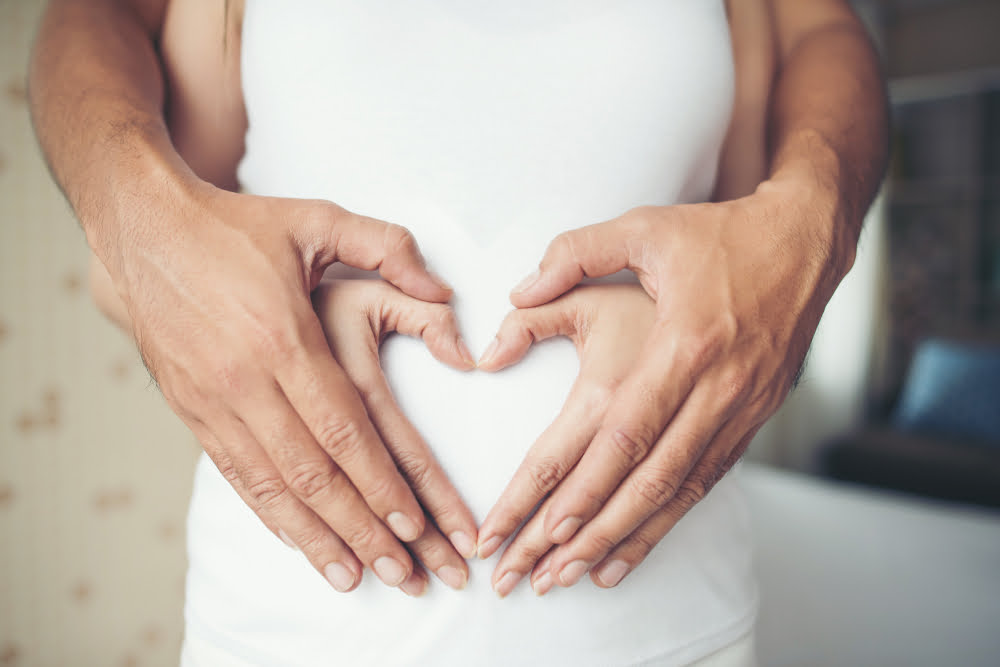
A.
pixel 487 129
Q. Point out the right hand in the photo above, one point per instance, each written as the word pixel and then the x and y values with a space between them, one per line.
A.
pixel 217 287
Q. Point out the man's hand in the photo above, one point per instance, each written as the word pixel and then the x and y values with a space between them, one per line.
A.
pixel 739 289
pixel 217 287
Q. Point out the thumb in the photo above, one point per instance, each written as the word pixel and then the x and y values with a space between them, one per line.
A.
pixel 592 251
pixel 337 235
pixel 525 326
pixel 434 323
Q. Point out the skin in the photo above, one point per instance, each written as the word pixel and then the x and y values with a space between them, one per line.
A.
pixel 739 288
pixel 733 292
pixel 215 287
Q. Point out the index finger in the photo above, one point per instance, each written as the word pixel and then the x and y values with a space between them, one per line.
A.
pixel 592 251
pixel 333 234
pixel 329 405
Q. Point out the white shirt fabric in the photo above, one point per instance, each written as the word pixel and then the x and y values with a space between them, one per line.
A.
pixel 486 128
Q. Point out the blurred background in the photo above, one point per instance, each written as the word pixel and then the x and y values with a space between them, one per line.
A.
pixel 900 403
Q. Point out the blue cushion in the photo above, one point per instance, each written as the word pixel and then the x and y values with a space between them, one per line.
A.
pixel 952 388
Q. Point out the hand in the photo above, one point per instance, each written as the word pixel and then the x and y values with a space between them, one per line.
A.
pixel 217 287
pixel 608 324
pixel 357 315
pixel 739 288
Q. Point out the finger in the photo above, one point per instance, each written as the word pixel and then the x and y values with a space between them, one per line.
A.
pixel 523 327
pixel 627 555
pixel 413 458
pixel 528 547
pixel 308 474
pixel 329 405
pixel 675 471
pixel 548 461
pixel 434 552
pixel 434 323
pixel 366 243
pixel 595 250
pixel 421 469
pixel 541 576
pixel 295 524
pixel 639 411
pixel 416 584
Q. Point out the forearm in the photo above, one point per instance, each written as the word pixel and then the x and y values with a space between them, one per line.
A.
pixel 106 297
pixel 96 99
pixel 828 127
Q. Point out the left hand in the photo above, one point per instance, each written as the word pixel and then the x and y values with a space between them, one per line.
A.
pixel 739 288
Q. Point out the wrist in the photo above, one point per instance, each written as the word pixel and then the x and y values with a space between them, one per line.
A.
pixel 139 179
pixel 807 190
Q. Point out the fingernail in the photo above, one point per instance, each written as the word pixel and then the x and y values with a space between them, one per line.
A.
pixel 438 280
pixel 403 526
pixel 463 544
pixel 572 572
pixel 506 584
pixel 463 350
pixel 452 576
pixel 286 539
pixel 612 573
pixel 389 570
pixel 543 584
pixel 339 576
pixel 490 352
pixel 415 586
pixel 487 548
pixel 528 281
pixel 565 529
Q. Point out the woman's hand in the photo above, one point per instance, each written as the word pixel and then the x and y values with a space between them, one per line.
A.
pixel 739 288
pixel 609 325
pixel 356 316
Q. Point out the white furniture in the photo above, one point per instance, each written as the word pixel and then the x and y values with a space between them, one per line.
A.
pixel 852 576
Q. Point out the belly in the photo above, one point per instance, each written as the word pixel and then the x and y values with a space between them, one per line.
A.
pixel 479 425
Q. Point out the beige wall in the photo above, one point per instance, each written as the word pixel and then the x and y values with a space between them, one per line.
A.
pixel 94 469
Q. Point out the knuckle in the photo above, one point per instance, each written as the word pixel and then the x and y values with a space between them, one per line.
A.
pixel 399 239
pixel 516 320
pixel 372 392
pixel 699 350
pixel 655 487
pixel 309 480
pixel 736 386
pixel 267 491
pixel 275 343
pixel 416 469
pixel 362 537
pixel 546 473
pixel 641 542
pixel 432 553
pixel 693 491
pixel 339 436
pixel 530 552
pixel 228 376
pixel 443 315
pixel 228 470
pixel 632 443
pixel 600 544
pixel 312 544
pixel 637 221
pixel 597 396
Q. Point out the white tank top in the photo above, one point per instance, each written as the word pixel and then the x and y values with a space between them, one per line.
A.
pixel 486 128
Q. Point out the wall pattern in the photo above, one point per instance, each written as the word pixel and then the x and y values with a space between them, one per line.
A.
pixel 95 470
